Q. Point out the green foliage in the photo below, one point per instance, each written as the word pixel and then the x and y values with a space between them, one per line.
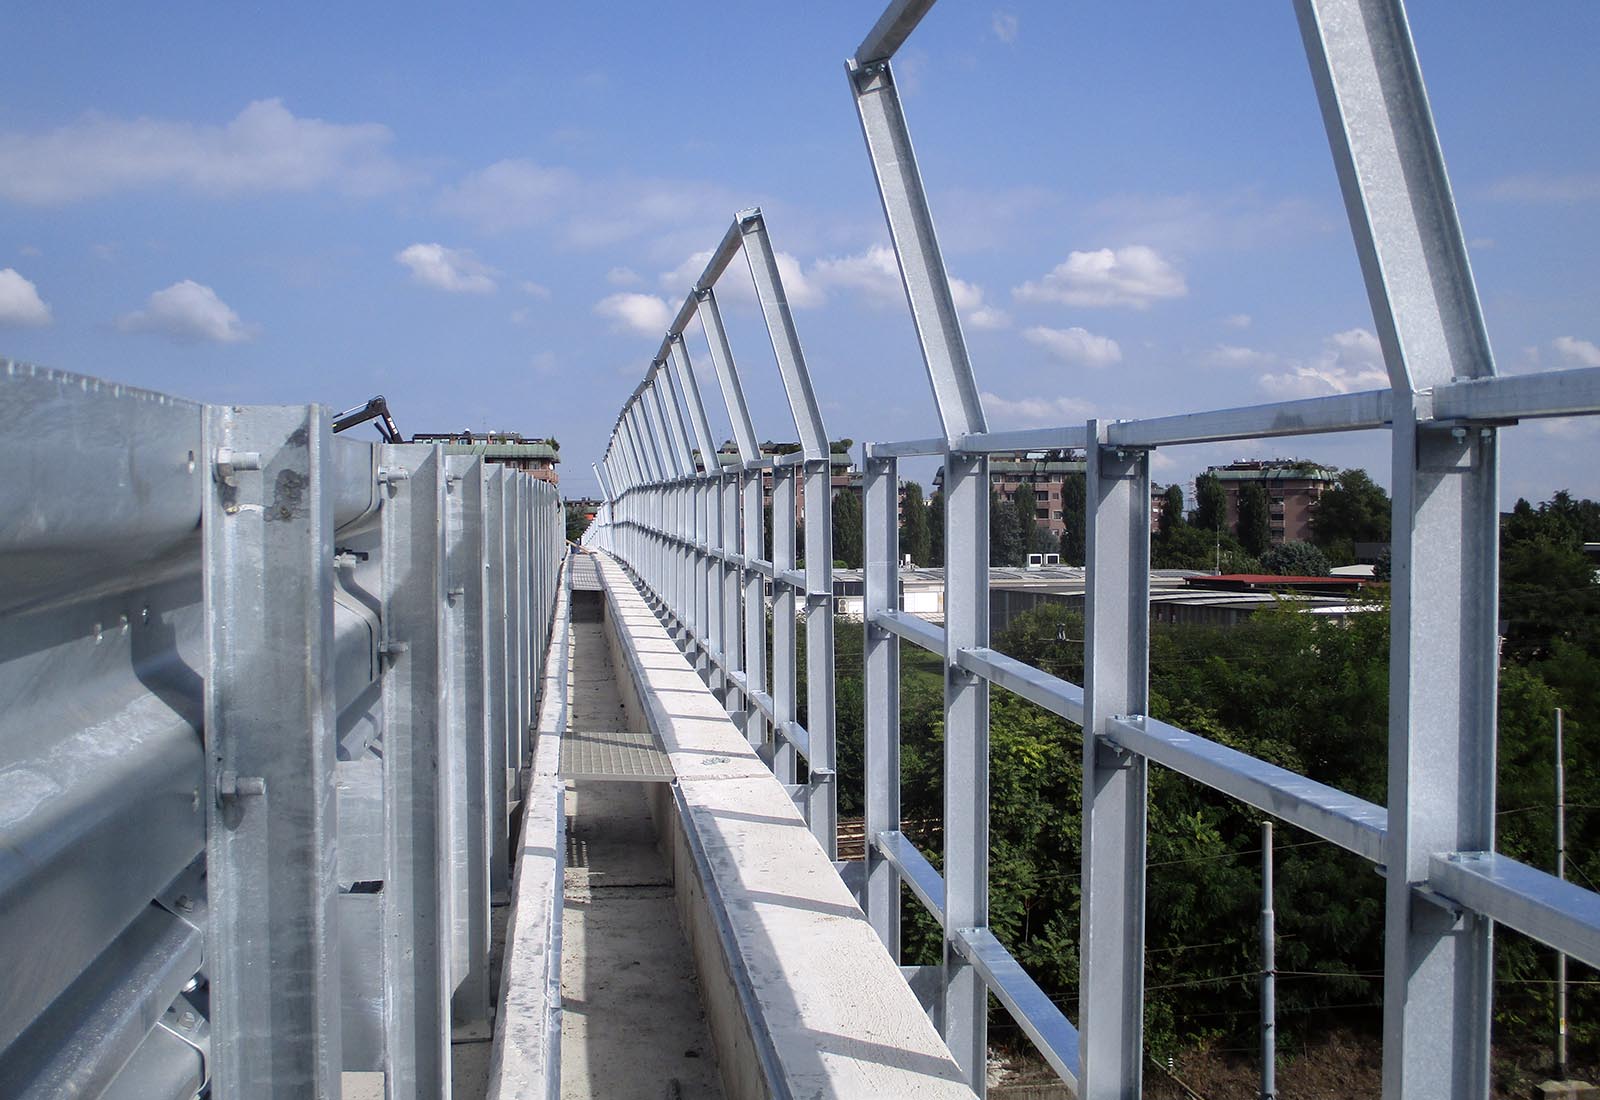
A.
pixel 1171 510
pixel 1191 547
pixel 577 522
pixel 914 524
pixel 1295 559
pixel 1211 504
pixel 1354 510
pixel 847 530
pixel 1255 525
pixel 935 530
pixel 1026 506
pixel 1547 585
pixel 1074 514
pixel 1005 537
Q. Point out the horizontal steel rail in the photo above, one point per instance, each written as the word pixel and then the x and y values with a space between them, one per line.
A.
pixel 1035 685
pixel 913 867
pixel 1554 912
pixel 912 628
pixel 1040 1019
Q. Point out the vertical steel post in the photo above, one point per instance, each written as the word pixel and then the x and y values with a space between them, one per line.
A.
pixel 732 655
pixel 1562 1070
pixel 497 715
pixel 416 959
pixel 821 773
pixel 1116 682
pixel 1269 973
pixel 783 622
pixel 467 605
pixel 881 651
pixel 271 942
pixel 966 758
pixel 755 604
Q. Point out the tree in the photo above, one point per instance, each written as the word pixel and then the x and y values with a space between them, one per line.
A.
pixel 1354 510
pixel 577 522
pixel 847 529
pixel 1075 518
pixel 1026 506
pixel 1295 559
pixel 1255 525
pixel 914 524
pixel 1005 538
pixel 1210 503
pixel 1171 510
pixel 935 529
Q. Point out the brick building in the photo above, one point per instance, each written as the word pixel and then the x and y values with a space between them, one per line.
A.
pixel 1293 489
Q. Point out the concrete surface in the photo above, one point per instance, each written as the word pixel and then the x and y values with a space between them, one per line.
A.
pixel 632 1023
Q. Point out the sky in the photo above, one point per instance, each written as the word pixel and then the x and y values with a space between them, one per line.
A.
pixel 488 216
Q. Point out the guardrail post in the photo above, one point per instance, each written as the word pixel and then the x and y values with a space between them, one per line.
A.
pixel 416 904
pixel 271 941
pixel 822 796
pixel 881 748
pixel 1116 682
pixel 466 609
pixel 783 622
pixel 966 758
pixel 755 608
pixel 498 716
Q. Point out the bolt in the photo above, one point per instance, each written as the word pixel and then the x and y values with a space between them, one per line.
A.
pixel 1458 433
pixel 185 903
pixel 187 1020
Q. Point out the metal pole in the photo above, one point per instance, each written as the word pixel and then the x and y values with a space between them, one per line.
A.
pixel 1561 873
pixel 1269 973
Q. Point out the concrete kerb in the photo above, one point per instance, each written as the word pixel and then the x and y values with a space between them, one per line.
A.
pixel 801 996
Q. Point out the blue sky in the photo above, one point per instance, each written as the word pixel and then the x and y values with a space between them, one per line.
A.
pixel 484 215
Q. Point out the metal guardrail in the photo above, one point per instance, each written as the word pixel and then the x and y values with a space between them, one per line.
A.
pixel 1444 409
pixel 264 696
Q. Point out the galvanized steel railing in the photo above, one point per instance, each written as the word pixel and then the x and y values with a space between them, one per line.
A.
pixel 266 694
pixel 687 537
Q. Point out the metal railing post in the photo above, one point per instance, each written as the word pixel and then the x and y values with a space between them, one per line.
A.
pixel 821 776
pixel 415 905
pixel 498 715
pixel 272 939
pixel 753 546
pixel 783 623
pixel 1116 682
pixel 881 686
pixel 966 758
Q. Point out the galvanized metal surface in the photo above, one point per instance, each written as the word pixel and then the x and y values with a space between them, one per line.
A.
pixel 198 632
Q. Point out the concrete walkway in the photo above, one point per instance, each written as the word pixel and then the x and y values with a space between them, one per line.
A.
pixel 633 1027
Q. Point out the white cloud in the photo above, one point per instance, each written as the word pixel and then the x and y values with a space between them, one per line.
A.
pixel 20 304
pixel 1233 355
pixel 1237 320
pixel 264 148
pixel 1004 26
pixel 509 194
pixel 454 270
pixel 29 250
pixel 1134 276
pixel 875 274
pixel 1033 412
pixel 622 276
pixel 1077 346
pixel 804 291
pixel 1349 361
pixel 545 362
pixel 969 302
pixel 535 290
pixel 1548 187
pixel 642 313
pixel 1582 352
pixel 188 313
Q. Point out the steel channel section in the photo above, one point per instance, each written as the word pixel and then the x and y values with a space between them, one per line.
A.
pixel 891 30
pixel 914 870
pixel 785 339
pixel 1050 692
pixel 914 629
pixel 497 716
pixel 1551 910
pixel 916 245
pixel 744 434
pixel 1117 626
pixel 881 687
pixel 1052 1033
pixel 966 757
pixel 271 950
pixel 415 904
pixel 1438 976
pixel 755 607
pixel 469 688
pixel 1548 393
pixel 783 625
pixel 821 772
pixel 732 648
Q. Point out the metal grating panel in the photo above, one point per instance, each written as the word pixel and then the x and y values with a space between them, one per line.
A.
pixel 615 755
pixel 585 574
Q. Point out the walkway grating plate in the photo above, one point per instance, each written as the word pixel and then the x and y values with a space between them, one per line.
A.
pixel 586 574
pixel 614 754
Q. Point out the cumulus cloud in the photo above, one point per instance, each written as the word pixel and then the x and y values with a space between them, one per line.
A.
pixel 454 270
pixel 535 290
pixel 969 303
pixel 1134 276
pixel 1004 26
pixel 1582 352
pixel 1033 412
pixel 266 147
pixel 1234 355
pixel 804 291
pixel 622 276
pixel 1237 320
pixel 1077 346
pixel 509 194
pixel 630 312
pixel 875 274
pixel 1349 361
pixel 20 304
pixel 1548 187
pixel 188 313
